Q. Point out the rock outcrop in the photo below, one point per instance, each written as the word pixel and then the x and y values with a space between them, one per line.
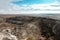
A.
pixel 29 28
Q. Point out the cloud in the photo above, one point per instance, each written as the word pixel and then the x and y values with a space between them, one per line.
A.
pixel 6 7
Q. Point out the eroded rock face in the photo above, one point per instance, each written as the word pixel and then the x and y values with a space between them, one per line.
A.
pixel 30 28
pixel 47 26
pixel 6 35
pixel 51 27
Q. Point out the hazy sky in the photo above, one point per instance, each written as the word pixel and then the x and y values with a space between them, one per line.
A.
pixel 25 6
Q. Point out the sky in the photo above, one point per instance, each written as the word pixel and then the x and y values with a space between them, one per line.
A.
pixel 30 2
pixel 29 6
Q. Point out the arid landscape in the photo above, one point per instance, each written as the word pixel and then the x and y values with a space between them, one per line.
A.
pixel 18 27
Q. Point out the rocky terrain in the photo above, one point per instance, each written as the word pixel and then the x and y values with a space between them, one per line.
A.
pixel 28 28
